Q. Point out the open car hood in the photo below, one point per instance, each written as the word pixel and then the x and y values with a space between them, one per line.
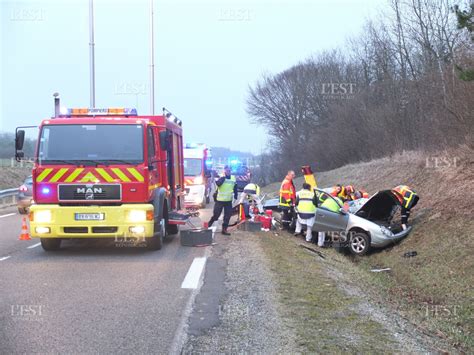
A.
pixel 380 207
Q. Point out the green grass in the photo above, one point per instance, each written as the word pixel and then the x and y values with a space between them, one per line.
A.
pixel 433 290
pixel 324 317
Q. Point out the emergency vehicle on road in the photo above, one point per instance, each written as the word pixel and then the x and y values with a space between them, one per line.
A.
pixel 102 173
pixel 199 184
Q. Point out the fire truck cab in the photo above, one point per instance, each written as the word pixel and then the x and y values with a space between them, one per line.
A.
pixel 199 184
pixel 102 173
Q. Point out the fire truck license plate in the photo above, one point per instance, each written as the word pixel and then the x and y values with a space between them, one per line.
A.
pixel 89 216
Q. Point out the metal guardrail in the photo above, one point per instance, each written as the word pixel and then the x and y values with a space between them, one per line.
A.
pixel 8 196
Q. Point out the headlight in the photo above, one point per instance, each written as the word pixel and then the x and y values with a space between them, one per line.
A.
pixel 42 216
pixel 136 216
pixel 42 230
pixel 198 180
pixel 386 232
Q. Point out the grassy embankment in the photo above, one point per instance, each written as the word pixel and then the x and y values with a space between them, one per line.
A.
pixel 433 290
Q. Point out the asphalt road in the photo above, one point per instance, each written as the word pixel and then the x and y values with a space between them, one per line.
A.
pixel 91 297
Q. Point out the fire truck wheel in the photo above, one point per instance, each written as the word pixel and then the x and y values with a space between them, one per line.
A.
pixel 156 242
pixel 50 244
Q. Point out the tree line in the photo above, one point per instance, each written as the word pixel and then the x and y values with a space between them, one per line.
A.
pixel 404 83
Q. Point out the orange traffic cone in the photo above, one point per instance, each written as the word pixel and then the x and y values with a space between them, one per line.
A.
pixel 25 234
pixel 241 212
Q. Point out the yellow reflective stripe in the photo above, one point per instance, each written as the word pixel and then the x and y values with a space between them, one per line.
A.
pixel 120 174
pixel 136 174
pixel 152 187
pixel 408 200
pixel 286 191
pixel 43 175
pixel 105 174
pixel 74 175
pixel 59 174
pixel 89 177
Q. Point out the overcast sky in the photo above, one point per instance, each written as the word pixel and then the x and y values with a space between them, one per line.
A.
pixel 207 53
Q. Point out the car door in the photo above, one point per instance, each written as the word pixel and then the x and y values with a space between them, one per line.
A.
pixel 329 221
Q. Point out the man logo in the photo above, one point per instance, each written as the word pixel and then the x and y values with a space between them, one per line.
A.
pixel 89 191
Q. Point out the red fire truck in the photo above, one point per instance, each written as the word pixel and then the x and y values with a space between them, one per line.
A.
pixel 102 173
pixel 198 180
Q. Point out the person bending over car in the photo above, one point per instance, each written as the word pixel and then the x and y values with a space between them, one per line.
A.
pixel 408 199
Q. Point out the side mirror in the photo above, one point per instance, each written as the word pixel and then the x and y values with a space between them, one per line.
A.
pixel 19 139
pixel 342 211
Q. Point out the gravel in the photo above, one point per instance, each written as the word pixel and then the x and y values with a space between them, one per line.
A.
pixel 249 315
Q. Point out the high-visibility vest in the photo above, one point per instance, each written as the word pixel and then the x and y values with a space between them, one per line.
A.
pixel 287 193
pixel 253 189
pixel 405 195
pixel 226 190
pixel 332 205
pixel 305 202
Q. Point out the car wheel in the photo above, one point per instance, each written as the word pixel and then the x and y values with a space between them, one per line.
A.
pixel 50 244
pixel 359 243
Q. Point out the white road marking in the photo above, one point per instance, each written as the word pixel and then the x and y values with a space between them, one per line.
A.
pixel 5 258
pixel 34 246
pixel 8 215
pixel 181 334
pixel 194 273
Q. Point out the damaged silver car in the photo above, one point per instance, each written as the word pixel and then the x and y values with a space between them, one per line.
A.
pixel 367 225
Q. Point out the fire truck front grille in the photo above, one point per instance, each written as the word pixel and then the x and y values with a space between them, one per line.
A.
pixel 90 192
pixel 104 229
pixel 74 230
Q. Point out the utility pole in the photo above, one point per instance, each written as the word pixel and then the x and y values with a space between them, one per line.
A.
pixel 152 62
pixel 91 53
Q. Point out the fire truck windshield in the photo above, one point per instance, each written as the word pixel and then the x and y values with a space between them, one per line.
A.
pixel 85 144
pixel 192 167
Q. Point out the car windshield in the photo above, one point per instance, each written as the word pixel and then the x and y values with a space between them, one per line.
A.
pixel 61 144
pixel 192 167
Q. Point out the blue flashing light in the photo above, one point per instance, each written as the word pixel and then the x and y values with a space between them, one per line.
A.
pixel 234 162
pixel 208 162
pixel 45 190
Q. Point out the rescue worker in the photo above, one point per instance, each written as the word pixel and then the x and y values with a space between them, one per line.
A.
pixel 336 190
pixel 345 193
pixel 348 193
pixel 330 204
pixel 287 198
pixel 408 199
pixel 251 193
pixel 306 202
pixel 226 189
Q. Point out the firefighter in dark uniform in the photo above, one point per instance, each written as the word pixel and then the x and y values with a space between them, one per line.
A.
pixel 408 199
pixel 226 189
